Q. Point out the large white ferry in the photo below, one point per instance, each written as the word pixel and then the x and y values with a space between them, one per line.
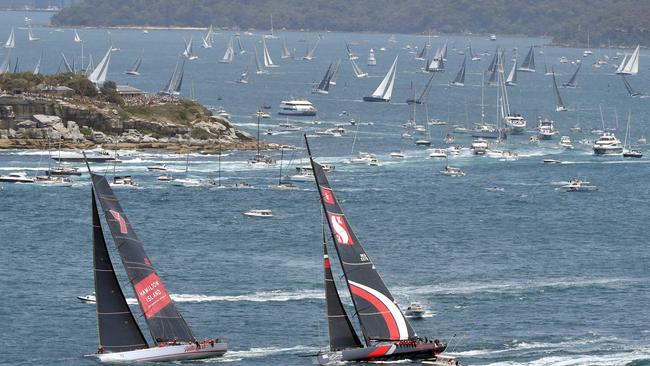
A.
pixel 297 107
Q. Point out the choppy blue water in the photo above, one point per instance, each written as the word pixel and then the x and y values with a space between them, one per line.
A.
pixel 528 276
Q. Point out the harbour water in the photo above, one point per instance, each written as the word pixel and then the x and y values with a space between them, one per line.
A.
pixel 527 275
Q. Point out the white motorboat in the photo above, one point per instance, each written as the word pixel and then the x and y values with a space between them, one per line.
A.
pixel 53 181
pixel 642 140
pixel 397 154
pixel 123 181
pixel 492 37
pixel 479 146
pixel 221 112
pixel 451 171
pixel 552 161
pixel 502 154
pixel 262 114
pixel 188 182
pixel 297 107
pixel 16 177
pixel 565 142
pixel 577 185
pixel 165 178
pixel 261 160
pixel 90 299
pixel 516 124
pixel 414 310
pixel 608 144
pixel 442 359
pixel 158 167
pixel 545 128
pixel 365 158
pixel 437 122
pixel 438 153
pixel 259 213
pixel 63 169
pixel 449 139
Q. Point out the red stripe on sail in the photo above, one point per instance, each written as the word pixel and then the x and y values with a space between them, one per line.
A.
pixel 152 295
pixel 327 263
pixel 379 351
pixel 391 324
pixel 120 219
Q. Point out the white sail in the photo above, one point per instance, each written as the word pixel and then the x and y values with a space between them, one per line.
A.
pixel 205 43
pixel 268 62
pixel 98 76
pixel 188 51
pixel 37 69
pixel 240 46
pixel 229 55
pixel 31 36
pixel 207 40
pixel 372 60
pixel 512 76
pixel 311 51
pixel 631 65
pixel 259 68
pixel 6 64
pixel 285 50
pixel 11 41
pixel 619 69
pixel 385 89
pixel 77 39
pixel 357 70
pixel 135 69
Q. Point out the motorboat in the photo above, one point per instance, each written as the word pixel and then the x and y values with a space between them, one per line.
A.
pixel 485 130
pixel 502 154
pixel 159 167
pixel 304 174
pixel 414 310
pixel 438 153
pixel 564 60
pixel 565 142
pixel 260 160
pixel 451 171
pixel 297 107
pixel 221 112
pixel 53 181
pixel 492 37
pixel 286 126
pixel 123 181
pixel 545 128
pixel 608 144
pixel 262 114
pixel 89 299
pixel 437 122
pixel 397 154
pixel 449 139
pixel 442 360
pixel 165 178
pixel 577 185
pixel 365 158
pixel 259 213
pixel 642 140
pixel 188 182
pixel 423 142
pixel 479 146
pixel 516 123
pixel 534 139
pixel 63 169
pixel 16 177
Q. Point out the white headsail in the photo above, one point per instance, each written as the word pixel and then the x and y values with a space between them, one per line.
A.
pixel 384 91
pixel 98 76
pixel 11 41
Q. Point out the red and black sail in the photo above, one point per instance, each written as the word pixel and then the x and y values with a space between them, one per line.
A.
pixel 379 314
pixel 342 334
pixel 164 321
pixel 118 330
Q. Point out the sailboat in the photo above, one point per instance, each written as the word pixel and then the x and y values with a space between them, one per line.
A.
pixel 259 159
pixel 588 51
pixel 173 86
pixel 529 62
pixel 573 82
pixel 135 69
pixel 628 152
pixel 91 64
pixel 424 94
pixel 372 60
pixel 628 87
pixel 559 104
pixel 98 76
pixel 493 62
pixel 629 65
pixel 268 62
pixel 206 42
pixel 384 91
pixel 512 76
pixel 37 68
pixel 474 56
pixel 426 141
pixel 460 77
pixel 387 334
pixel 423 52
pixel 437 64
pixel 272 35
pixel 351 55
pixel 324 86
pixel 515 122
pixel 243 78
pixel 357 70
pixel 5 67
pixel 240 46
pixel 311 51
pixel 120 336
pixel 284 183
pixel 11 41
pixel 31 36
pixel 77 39
pixel 66 64
pixel 229 55
pixel 335 72
pixel 187 53
pixel 285 50
pixel 259 68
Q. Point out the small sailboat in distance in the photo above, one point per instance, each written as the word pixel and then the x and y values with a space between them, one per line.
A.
pixel 135 69
pixel 37 68
pixel 512 76
pixel 559 104
pixel 311 51
pixel 77 39
pixel 259 68
pixel 31 36
pixel 98 75
pixel 173 86
pixel 460 77
pixel 285 50
pixel 424 94
pixel 120 336
pixel 242 50
pixel 324 86
pixel 384 91
pixel 229 54
pixel 573 82
pixel 268 62
pixel 631 91
pixel 529 62
pixel 357 70
pixel 11 41
pixel 387 333
pixel 630 65
pixel 188 51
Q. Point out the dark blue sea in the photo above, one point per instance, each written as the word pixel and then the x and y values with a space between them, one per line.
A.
pixel 524 275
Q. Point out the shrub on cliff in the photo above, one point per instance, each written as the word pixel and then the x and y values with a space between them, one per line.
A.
pixel 110 94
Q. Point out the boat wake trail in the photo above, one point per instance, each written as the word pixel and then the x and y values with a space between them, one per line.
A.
pixel 260 296
pixel 258 352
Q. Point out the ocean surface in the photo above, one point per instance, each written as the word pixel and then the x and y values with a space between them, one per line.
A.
pixel 524 275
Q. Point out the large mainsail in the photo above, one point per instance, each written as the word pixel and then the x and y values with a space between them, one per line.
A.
pixel 268 62
pixel 118 330
pixel 529 62
pixel 342 334
pixel 135 69
pixel 98 76
pixel 229 54
pixel 357 70
pixel 11 41
pixel 37 68
pixel 324 85
pixel 512 76
pixel 573 82
pixel 164 321
pixel 630 65
pixel 460 77
pixel 385 89
pixel 424 94
pixel 559 104
pixel 379 315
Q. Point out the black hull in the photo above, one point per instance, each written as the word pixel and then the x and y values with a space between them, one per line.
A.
pixel 375 99
pixel 632 155
pixel 385 352
pixel 411 101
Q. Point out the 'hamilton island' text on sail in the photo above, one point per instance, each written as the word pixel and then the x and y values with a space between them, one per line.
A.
pixel 152 295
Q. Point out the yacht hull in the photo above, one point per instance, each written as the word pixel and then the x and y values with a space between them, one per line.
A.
pixel 183 352
pixel 375 99
pixel 608 151
pixel 383 352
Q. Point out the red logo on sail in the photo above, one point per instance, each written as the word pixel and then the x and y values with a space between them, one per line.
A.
pixel 340 229
pixel 120 219
pixel 152 295
pixel 328 197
